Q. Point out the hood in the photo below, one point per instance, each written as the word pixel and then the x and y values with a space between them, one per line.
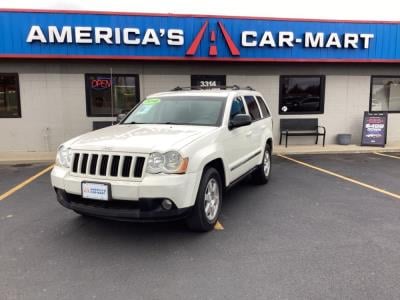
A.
pixel 140 138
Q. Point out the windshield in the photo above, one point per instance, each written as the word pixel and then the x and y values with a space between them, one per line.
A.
pixel 179 110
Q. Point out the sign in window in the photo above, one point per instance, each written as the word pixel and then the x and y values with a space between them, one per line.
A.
pixel 110 95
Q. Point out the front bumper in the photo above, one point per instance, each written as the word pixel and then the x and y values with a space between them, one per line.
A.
pixel 181 189
pixel 143 210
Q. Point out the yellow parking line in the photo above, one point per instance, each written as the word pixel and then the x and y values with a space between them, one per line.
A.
pixel 24 183
pixel 376 189
pixel 387 155
pixel 218 226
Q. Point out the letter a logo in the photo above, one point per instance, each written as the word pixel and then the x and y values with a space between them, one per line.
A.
pixel 213 51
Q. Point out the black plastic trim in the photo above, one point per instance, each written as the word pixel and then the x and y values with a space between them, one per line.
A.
pixel 240 178
pixel 247 160
pixel 143 210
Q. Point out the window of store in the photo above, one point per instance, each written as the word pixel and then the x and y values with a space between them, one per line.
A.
pixel 106 97
pixel 10 106
pixel 301 95
pixel 204 81
pixel 253 108
pixel 385 94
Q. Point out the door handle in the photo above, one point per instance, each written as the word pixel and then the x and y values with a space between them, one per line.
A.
pixel 249 133
pixel 264 126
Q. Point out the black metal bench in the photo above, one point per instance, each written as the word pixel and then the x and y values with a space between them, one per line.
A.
pixel 301 127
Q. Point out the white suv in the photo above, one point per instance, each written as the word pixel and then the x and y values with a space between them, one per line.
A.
pixel 171 157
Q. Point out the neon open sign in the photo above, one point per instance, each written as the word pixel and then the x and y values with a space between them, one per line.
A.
pixel 100 83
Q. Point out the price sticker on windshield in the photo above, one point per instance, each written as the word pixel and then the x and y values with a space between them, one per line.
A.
pixel 151 101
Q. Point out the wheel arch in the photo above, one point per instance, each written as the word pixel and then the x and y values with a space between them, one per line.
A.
pixel 269 143
pixel 217 164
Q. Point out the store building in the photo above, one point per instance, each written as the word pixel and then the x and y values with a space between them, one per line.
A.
pixel 64 73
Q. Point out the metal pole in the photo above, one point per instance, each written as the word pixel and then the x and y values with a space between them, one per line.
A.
pixel 112 96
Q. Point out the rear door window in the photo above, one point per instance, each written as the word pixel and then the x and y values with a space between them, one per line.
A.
pixel 263 106
pixel 253 108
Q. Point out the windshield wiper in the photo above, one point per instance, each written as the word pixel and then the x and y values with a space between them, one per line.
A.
pixel 166 123
pixel 133 122
pixel 171 123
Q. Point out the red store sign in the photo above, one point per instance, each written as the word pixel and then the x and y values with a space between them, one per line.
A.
pixel 102 83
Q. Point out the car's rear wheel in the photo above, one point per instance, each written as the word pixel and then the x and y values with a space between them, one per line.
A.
pixel 207 208
pixel 262 173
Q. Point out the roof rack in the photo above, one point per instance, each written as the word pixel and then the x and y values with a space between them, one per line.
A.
pixel 234 87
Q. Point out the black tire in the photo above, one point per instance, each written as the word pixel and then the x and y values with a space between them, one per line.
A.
pixel 260 175
pixel 84 215
pixel 198 219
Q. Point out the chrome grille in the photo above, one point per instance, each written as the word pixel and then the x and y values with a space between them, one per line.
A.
pixel 114 165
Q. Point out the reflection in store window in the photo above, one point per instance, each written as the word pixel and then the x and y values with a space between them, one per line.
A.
pixel 385 94
pixel 9 96
pixel 301 95
pixel 106 96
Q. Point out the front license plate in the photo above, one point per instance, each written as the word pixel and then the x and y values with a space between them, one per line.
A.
pixel 95 191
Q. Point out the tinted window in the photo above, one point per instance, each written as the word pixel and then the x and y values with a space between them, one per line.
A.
pixel 9 96
pixel 179 110
pixel 108 95
pixel 252 107
pixel 385 94
pixel 237 107
pixel 301 95
pixel 263 107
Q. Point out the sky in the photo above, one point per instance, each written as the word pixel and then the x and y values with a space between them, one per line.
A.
pixel 387 10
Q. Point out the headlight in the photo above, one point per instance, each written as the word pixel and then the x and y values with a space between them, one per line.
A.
pixel 170 162
pixel 64 157
pixel 155 163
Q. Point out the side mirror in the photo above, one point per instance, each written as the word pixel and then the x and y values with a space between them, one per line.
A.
pixel 120 117
pixel 239 120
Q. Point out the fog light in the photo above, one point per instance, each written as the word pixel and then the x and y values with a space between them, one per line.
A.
pixel 166 204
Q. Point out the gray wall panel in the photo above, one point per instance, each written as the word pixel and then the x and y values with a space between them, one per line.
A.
pixel 53 99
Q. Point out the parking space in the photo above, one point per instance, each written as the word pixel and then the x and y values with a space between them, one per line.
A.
pixel 375 169
pixel 395 155
pixel 305 235
pixel 12 175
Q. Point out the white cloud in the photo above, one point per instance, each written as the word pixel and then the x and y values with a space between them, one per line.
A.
pixel 315 9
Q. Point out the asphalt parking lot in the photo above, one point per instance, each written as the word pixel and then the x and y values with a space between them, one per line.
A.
pixel 308 234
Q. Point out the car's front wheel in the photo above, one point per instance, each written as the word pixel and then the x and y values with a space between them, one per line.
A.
pixel 207 208
pixel 85 215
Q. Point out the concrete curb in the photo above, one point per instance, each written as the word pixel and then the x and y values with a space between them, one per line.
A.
pixel 332 149
pixel 21 157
